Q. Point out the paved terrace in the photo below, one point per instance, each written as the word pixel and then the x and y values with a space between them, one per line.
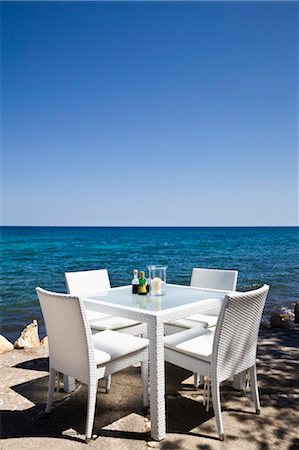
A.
pixel 120 422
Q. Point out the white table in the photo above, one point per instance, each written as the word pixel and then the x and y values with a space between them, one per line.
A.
pixel 179 302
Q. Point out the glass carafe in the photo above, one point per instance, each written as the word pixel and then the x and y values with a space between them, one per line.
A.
pixel 157 280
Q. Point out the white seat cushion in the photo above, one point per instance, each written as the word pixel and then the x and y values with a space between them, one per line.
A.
pixel 206 320
pixel 203 320
pixel 94 315
pixel 101 321
pixel 101 357
pixel 111 323
pixel 110 345
pixel 197 342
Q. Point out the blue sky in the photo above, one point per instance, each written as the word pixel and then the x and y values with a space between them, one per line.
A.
pixel 150 113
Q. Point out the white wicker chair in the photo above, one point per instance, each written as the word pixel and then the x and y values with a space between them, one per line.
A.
pixel 224 280
pixel 89 282
pixel 225 351
pixel 74 351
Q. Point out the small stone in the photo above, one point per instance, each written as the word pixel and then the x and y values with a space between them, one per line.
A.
pixel 296 312
pixel 44 341
pixel 70 432
pixel 147 425
pixel 276 320
pixel 5 345
pixel 153 444
pixel 29 336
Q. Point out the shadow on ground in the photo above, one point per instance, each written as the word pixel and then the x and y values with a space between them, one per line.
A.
pixel 69 410
pixel 120 414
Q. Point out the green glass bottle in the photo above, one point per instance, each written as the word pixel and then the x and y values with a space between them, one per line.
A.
pixel 142 284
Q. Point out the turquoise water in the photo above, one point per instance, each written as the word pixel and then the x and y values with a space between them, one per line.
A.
pixel 39 256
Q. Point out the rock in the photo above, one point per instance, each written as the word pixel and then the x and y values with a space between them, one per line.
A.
pixel 265 324
pixel 280 321
pixel 44 341
pixel 276 320
pixel 5 345
pixel 288 324
pixel 296 312
pixel 287 313
pixel 29 336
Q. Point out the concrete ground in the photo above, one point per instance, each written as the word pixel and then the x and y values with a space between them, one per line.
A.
pixel 120 421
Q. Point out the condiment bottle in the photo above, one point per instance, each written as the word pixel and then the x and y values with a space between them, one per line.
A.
pixel 142 284
pixel 135 282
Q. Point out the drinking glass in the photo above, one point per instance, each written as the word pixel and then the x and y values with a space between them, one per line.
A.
pixel 157 280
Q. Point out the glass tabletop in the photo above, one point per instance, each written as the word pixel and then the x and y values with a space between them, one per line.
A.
pixel 176 295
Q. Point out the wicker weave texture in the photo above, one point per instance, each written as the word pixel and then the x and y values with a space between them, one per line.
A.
pixel 87 282
pixel 69 335
pixel 71 349
pixel 214 279
pixel 236 333
pixel 225 280
pixel 155 322
pixel 187 362
pixel 157 376
pixel 234 345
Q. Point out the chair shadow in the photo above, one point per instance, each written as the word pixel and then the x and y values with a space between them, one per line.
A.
pixel 41 364
pixel 277 369
pixel 69 410
pixel 184 414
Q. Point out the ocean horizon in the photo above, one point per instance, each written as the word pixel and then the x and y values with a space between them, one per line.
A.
pixel 34 256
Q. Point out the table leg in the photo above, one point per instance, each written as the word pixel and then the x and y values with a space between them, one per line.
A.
pixel 157 376
pixel 69 383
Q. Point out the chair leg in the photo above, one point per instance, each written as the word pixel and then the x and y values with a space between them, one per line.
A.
pixel 206 393
pixel 51 386
pixel 239 381
pixel 108 384
pixel 144 379
pixel 145 334
pixel 198 380
pixel 91 404
pixel 217 407
pixel 254 389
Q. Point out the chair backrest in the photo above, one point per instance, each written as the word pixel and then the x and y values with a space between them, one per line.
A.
pixel 235 341
pixel 71 349
pixel 87 282
pixel 225 280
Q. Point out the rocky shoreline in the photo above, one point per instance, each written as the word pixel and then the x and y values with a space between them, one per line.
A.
pixel 28 339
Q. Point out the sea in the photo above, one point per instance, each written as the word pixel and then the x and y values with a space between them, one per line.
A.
pixel 39 256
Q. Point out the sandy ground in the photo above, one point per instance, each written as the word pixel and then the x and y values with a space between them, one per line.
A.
pixel 120 422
